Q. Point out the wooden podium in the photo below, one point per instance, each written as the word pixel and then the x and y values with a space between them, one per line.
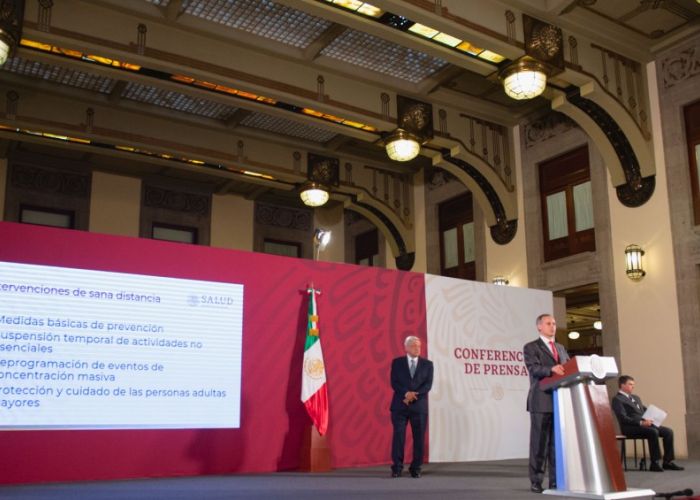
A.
pixel 587 458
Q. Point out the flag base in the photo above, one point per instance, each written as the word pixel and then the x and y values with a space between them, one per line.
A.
pixel 315 453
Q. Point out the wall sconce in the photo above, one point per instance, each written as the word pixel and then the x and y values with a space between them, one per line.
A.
pixel 322 172
pixel 321 239
pixel 415 127
pixel 11 15
pixel 500 280
pixel 633 262
pixel 574 335
pixel 526 77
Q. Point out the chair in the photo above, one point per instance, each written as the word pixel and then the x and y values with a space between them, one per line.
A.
pixel 622 439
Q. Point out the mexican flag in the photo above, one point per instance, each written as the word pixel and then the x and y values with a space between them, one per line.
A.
pixel 314 391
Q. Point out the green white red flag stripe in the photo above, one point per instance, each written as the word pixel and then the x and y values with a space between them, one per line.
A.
pixel 314 390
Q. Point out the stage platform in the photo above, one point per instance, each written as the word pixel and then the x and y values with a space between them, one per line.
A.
pixel 446 481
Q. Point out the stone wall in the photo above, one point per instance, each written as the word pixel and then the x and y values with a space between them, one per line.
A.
pixel 678 77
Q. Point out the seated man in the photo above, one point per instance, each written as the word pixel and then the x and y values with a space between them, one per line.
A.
pixel 629 411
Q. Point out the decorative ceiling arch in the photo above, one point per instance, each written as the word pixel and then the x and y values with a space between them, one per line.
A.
pixel 623 145
pixel 498 203
pixel 394 232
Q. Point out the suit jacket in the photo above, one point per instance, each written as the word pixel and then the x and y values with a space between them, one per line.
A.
pixel 629 412
pixel 539 361
pixel 401 383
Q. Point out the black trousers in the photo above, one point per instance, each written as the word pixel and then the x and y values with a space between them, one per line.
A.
pixel 400 420
pixel 652 434
pixel 542 448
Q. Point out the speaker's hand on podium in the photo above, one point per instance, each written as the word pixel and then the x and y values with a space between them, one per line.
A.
pixel 558 369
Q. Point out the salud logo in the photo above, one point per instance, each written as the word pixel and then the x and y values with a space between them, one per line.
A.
pixel 193 300
pixel 216 300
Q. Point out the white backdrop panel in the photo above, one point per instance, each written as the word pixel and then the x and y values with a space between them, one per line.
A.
pixel 476 333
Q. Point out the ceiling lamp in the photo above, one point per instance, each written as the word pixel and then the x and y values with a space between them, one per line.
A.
pixel 524 79
pixel 4 49
pixel 313 194
pixel 11 14
pixel 414 126
pixel 402 146
pixel 574 335
pixel 322 175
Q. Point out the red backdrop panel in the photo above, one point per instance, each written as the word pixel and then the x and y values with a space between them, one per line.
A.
pixel 364 314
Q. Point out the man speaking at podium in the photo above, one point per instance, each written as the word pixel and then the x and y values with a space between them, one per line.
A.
pixel 543 358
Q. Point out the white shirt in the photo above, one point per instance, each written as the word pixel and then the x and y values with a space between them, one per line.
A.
pixel 629 396
pixel 547 341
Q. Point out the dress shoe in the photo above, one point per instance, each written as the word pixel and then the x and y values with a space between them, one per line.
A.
pixel 395 474
pixel 672 466
pixel 415 473
pixel 655 467
pixel 536 488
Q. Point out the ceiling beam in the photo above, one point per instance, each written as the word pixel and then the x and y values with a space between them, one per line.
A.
pixel 116 94
pixel 440 78
pixel 223 187
pixel 173 10
pixel 257 192
pixel 237 117
pixel 337 142
pixel 324 40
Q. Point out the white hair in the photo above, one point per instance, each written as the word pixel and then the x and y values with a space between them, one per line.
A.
pixel 409 339
pixel 541 317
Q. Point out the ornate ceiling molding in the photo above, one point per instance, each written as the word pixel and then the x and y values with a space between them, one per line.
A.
pixel 51 181
pixel 680 67
pixel 176 201
pixel 550 125
pixel 290 218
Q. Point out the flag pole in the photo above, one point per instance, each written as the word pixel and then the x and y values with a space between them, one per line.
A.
pixel 314 393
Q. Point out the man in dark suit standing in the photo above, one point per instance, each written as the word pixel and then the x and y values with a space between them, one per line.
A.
pixel 411 379
pixel 543 358
pixel 629 411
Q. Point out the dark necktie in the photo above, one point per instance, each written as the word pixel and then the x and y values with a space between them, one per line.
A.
pixel 412 367
pixel 554 351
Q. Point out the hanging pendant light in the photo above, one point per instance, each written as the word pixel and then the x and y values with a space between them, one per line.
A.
pixel 313 194
pixel 524 79
pixel 402 146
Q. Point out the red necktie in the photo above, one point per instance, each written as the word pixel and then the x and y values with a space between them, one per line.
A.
pixel 554 351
